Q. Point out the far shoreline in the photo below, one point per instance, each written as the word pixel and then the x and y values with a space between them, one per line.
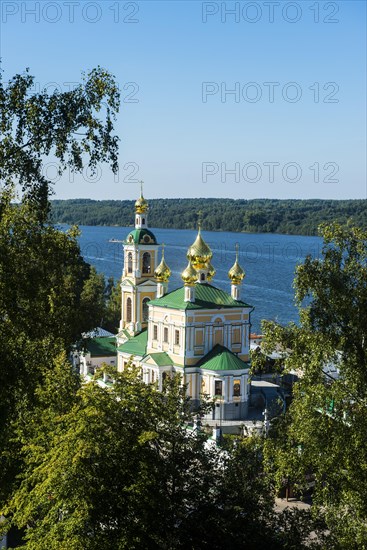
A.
pixel 189 229
pixel 290 217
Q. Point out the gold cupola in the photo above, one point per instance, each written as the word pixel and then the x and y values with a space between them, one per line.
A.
pixel 211 272
pixel 199 253
pixel 141 205
pixel 236 274
pixel 189 275
pixel 162 272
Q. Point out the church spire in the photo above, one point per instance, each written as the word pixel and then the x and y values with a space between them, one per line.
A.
pixel 138 283
pixel 199 255
pixel 162 274
pixel 141 210
pixel 236 275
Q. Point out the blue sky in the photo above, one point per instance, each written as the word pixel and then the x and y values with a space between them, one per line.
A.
pixel 293 127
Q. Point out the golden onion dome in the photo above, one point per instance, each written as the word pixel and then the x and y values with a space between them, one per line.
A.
pixel 141 205
pixel 199 253
pixel 162 272
pixel 189 275
pixel 211 272
pixel 236 274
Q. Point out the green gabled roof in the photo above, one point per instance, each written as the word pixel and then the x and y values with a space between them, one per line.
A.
pixel 101 347
pixel 206 297
pixel 162 359
pixel 137 236
pixel 221 358
pixel 137 345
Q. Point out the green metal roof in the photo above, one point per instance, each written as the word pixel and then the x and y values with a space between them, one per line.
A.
pixel 221 358
pixel 137 236
pixel 206 297
pixel 136 345
pixel 162 359
pixel 102 346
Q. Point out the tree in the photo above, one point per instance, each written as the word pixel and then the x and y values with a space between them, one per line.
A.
pixel 113 305
pixel 295 217
pixel 64 125
pixel 324 432
pixel 115 467
pixel 93 293
pixel 48 294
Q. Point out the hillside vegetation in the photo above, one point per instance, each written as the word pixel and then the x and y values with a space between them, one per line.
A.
pixel 295 217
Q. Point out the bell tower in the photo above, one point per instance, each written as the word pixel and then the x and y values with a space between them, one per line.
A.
pixel 138 284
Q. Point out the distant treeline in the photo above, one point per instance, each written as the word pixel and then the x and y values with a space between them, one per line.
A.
pixel 295 217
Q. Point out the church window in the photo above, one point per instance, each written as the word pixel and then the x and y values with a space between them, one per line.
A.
pixel 143 221
pixel 236 335
pixel 145 309
pixel 128 310
pixel 155 332
pixel 129 262
pixel 236 388
pixel 146 262
pixel 165 335
pixel 177 337
pixel 218 387
pixel 199 337
pixel 202 277
pixel 152 375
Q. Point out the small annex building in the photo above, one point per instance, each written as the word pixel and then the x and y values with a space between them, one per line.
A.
pixel 98 351
pixel 197 330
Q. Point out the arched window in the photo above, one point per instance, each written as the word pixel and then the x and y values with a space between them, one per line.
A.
pixel 202 277
pixel 146 262
pixel 129 262
pixel 128 310
pixel 236 388
pixel 143 221
pixel 145 309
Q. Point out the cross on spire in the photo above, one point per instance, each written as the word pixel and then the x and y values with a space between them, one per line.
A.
pixel 141 188
pixel 200 219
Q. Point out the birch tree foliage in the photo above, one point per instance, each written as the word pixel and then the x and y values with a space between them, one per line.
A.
pixel 74 127
pixel 116 468
pixel 323 435
pixel 48 293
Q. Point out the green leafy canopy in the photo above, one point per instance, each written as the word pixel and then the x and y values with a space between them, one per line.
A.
pixel 65 125
pixel 324 433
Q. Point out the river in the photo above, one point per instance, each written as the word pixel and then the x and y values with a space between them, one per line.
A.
pixel 269 262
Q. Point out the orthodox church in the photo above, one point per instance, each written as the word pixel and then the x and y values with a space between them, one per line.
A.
pixel 197 330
